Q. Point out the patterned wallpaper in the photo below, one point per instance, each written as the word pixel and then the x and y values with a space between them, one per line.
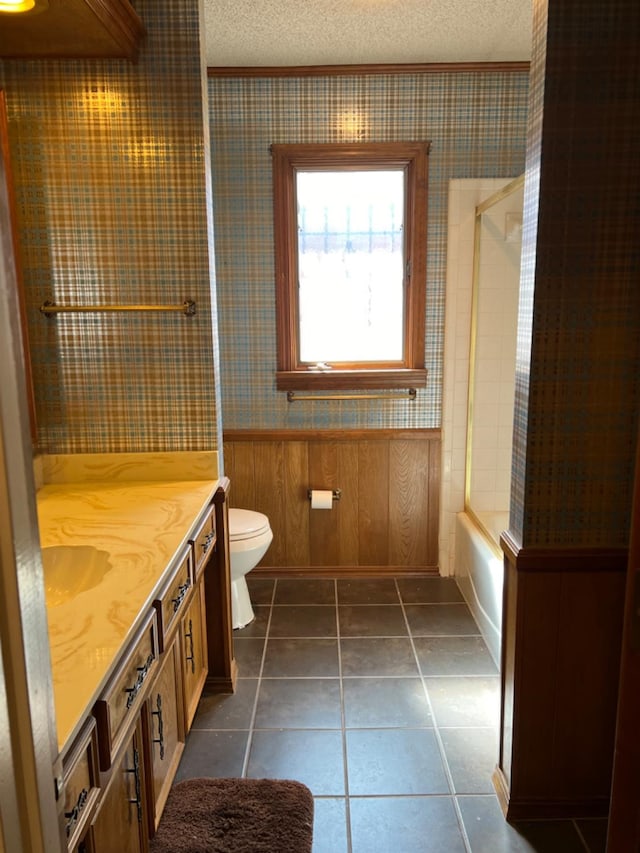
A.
pixel 578 361
pixel 109 161
pixel 477 126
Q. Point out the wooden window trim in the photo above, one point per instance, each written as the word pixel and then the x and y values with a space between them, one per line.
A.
pixel 412 156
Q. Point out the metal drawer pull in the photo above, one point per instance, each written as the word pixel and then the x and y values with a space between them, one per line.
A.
pixel 158 714
pixel 191 656
pixel 183 589
pixel 137 801
pixel 143 671
pixel 74 814
pixel 207 541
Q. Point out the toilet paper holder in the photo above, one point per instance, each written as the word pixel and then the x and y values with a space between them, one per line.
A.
pixel 336 494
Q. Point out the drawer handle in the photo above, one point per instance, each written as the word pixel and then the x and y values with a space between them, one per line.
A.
pixel 143 671
pixel 207 541
pixel 74 814
pixel 183 589
pixel 137 800
pixel 191 656
pixel 160 739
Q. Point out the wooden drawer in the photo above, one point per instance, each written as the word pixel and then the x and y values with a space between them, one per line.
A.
pixel 203 542
pixel 81 783
pixel 172 600
pixel 125 691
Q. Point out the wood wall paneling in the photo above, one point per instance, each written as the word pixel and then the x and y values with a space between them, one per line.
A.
pixel 323 524
pixel 588 654
pixel 408 487
pixel 268 463
pixel 296 521
pixel 433 498
pixel 537 672
pixel 386 519
pixel 373 503
pixel 239 464
pixel 561 658
pixel 348 530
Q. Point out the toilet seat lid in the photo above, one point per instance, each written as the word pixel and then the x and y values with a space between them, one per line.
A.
pixel 245 524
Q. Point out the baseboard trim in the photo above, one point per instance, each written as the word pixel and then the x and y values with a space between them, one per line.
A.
pixel 532 808
pixel 501 788
pixel 222 684
pixel 560 810
pixel 344 571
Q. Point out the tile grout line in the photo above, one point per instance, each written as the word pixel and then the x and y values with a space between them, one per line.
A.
pixel 345 763
pixel 457 800
pixel 254 711
pixel 581 836
pixel 436 731
pixel 450 794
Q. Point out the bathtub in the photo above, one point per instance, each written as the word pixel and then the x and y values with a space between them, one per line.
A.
pixel 479 572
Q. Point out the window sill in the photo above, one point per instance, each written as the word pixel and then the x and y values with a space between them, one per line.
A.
pixel 350 380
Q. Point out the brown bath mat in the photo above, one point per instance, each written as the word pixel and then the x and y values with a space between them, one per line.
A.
pixel 236 816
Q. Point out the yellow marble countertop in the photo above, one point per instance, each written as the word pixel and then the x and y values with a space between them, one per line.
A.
pixel 135 531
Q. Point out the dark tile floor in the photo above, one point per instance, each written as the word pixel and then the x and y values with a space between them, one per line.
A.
pixel 381 696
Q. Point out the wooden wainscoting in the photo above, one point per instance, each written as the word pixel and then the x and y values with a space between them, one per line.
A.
pixel 386 521
pixel 562 627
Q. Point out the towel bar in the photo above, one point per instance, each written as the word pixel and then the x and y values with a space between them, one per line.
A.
pixel 292 397
pixel 49 308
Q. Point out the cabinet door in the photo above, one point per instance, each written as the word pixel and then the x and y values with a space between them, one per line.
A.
pixel 194 653
pixel 164 730
pixel 120 823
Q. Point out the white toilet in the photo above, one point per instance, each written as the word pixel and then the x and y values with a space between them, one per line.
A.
pixel 249 537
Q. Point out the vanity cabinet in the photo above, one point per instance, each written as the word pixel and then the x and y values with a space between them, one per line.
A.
pixel 195 657
pixel 117 774
pixel 181 603
pixel 163 729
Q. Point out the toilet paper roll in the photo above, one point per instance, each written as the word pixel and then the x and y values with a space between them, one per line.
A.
pixel 321 499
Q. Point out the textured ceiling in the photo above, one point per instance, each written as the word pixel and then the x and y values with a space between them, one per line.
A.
pixel 352 32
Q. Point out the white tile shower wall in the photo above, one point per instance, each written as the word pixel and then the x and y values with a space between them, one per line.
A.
pixel 496 322
pixel 464 195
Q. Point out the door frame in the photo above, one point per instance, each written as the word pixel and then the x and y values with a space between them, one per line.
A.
pixel 28 739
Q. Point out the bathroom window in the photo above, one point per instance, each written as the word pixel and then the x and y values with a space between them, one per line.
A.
pixel 350 262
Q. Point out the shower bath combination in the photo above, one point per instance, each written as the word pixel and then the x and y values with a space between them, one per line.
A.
pixel 494 319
